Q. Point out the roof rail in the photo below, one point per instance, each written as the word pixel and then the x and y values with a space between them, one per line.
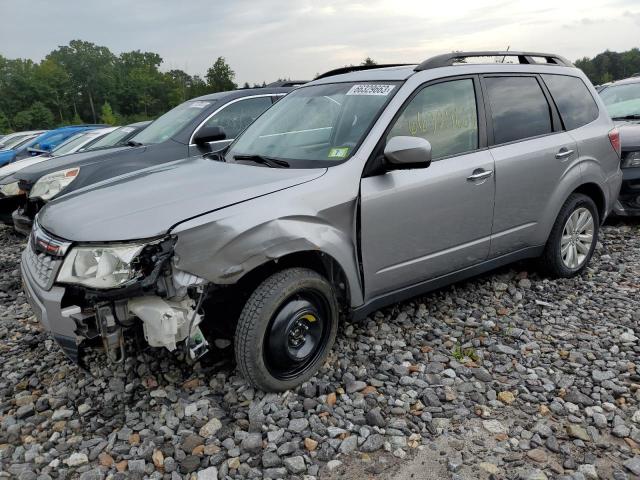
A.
pixel 287 83
pixel 357 68
pixel 526 58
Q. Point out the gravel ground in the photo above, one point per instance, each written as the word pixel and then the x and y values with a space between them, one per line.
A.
pixel 507 376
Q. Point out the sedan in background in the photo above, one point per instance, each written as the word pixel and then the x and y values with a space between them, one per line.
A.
pixel 622 99
pixel 196 127
pixel 117 138
pixel 12 140
pixel 43 143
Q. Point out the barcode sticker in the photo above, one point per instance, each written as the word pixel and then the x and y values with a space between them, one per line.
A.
pixel 369 89
pixel 199 104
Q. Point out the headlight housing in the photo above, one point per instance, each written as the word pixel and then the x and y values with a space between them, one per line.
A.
pixel 631 160
pixel 52 184
pixel 101 267
pixel 10 189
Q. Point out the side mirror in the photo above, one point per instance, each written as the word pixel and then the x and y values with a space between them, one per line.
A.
pixel 209 134
pixel 36 151
pixel 408 152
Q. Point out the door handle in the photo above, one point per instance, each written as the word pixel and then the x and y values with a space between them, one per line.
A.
pixel 564 153
pixel 479 174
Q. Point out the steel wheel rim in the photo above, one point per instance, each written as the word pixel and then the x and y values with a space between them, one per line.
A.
pixel 297 334
pixel 577 238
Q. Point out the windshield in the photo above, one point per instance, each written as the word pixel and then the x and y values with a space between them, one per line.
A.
pixel 171 122
pixel 112 139
pixel 315 126
pixel 16 141
pixel 622 100
pixel 70 145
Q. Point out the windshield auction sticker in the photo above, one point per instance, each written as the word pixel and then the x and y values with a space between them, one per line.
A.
pixel 370 89
pixel 198 104
pixel 340 152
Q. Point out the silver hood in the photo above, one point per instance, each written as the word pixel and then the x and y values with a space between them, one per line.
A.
pixel 148 203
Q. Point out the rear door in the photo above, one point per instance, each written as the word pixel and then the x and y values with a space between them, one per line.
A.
pixel 531 152
pixel 421 223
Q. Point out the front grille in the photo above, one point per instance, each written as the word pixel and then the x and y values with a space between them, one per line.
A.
pixel 44 256
pixel 43 267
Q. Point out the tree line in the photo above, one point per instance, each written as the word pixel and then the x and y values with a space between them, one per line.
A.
pixel 609 66
pixel 86 83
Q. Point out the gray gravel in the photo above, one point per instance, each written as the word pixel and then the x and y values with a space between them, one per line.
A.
pixel 509 375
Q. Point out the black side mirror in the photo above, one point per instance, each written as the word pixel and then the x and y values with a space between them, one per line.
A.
pixel 408 152
pixel 209 134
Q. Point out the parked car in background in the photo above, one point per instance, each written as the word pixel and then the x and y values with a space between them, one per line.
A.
pixel 622 99
pixel 117 138
pixel 13 139
pixel 79 141
pixel 43 143
pixel 353 192
pixel 195 127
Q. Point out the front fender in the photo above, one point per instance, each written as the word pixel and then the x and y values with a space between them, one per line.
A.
pixel 225 249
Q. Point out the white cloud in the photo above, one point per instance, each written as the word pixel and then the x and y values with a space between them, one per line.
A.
pixel 286 38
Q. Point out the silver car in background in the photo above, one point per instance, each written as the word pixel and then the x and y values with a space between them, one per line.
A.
pixel 357 190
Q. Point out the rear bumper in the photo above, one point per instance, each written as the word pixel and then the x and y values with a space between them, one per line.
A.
pixel 628 203
pixel 46 305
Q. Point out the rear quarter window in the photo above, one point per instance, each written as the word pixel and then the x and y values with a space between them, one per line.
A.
pixel 573 99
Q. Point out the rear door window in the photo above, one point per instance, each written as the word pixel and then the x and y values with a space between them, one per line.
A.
pixel 576 105
pixel 519 108
pixel 235 117
pixel 445 114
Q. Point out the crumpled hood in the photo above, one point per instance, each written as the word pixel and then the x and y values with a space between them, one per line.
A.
pixel 147 203
pixel 629 134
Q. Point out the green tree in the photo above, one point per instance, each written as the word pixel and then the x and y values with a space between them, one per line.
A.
pixel 220 76
pixel 5 125
pixel 22 120
pixel 368 62
pixel 41 116
pixel 106 114
pixel 90 68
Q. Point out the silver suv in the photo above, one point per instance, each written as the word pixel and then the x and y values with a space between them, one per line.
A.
pixel 357 190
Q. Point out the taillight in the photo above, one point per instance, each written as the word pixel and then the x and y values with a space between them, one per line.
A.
pixel 614 138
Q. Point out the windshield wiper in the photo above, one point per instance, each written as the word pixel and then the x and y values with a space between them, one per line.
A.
pixel 133 143
pixel 269 162
pixel 635 116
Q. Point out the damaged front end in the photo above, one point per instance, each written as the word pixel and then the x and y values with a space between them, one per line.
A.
pixel 104 291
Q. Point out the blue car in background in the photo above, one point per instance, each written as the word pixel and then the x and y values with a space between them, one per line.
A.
pixel 43 143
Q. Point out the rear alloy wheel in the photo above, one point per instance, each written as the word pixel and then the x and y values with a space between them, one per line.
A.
pixel 286 329
pixel 573 238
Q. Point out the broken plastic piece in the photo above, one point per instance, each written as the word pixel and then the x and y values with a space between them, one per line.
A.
pixel 165 322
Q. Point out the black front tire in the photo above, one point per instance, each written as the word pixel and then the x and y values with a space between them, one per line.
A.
pixel 551 261
pixel 254 338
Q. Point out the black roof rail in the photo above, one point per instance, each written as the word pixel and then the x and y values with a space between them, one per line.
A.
pixel 287 83
pixel 357 68
pixel 526 58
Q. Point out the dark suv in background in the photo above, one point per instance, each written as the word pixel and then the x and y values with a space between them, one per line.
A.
pixel 195 127
pixel 622 99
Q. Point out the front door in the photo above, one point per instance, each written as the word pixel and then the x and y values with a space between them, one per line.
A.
pixel 422 223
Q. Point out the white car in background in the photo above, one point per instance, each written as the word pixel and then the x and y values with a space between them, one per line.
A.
pixel 72 145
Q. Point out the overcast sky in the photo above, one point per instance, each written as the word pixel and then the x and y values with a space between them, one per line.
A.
pixel 267 39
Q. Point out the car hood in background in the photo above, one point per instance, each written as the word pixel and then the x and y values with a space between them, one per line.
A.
pixel 53 164
pixel 629 134
pixel 147 203
pixel 20 164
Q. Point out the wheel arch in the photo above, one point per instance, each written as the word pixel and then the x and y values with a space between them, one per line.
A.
pixel 318 261
pixel 593 191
